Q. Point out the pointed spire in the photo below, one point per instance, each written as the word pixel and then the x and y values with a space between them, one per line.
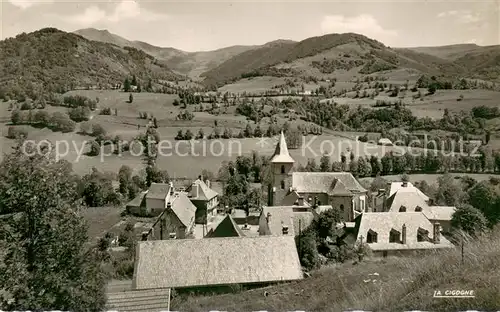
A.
pixel 281 154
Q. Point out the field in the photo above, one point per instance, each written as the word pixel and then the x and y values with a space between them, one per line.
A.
pixel 182 158
pixel 391 284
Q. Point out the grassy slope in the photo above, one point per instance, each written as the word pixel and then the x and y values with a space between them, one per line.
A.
pixel 50 56
pixel 402 284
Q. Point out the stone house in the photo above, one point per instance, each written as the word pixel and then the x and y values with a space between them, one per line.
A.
pixel 338 189
pixel 177 220
pixel 398 233
pixel 204 198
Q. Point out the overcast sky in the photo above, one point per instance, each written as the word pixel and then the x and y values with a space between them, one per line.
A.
pixel 203 25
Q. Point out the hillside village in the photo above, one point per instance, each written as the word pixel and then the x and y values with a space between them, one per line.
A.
pixel 403 223
pixel 331 173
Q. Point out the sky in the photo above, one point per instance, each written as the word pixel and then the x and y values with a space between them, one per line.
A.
pixel 203 25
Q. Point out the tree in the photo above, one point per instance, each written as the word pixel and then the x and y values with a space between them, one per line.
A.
pixel 16 117
pixel 307 250
pixel 46 264
pixel 469 220
pixel 484 196
pixel 124 177
pixel 134 81
pixel 449 193
pixel 130 98
pixel 126 85
pixel 324 163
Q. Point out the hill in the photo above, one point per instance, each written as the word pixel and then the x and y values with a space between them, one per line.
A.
pixel 320 56
pixel 391 284
pixel 53 60
pixel 191 64
pixel 448 52
pixel 334 53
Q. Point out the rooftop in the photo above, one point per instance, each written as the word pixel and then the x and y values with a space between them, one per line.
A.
pixel 383 222
pixel 158 191
pixel 281 154
pixel 340 183
pixel 215 261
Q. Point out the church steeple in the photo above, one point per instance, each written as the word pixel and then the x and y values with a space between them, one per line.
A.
pixel 281 154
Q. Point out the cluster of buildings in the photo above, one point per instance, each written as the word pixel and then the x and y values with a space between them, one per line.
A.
pixel 259 248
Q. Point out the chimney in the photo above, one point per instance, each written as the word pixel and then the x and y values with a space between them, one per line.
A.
pixel 208 183
pixel 169 205
pixel 268 217
pixel 301 201
pixel 430 202
pixel 194 190
pixel 171 188
pixel 437 232
pixel 403 234
pixel 405 184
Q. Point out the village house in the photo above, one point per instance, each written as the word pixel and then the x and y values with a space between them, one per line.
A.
pixel 338 189
pixel 285 220
pixel 404 197
pixel 398 233
pixel 215 264
pixel 151 202
pixel 177 220
pixel 205 199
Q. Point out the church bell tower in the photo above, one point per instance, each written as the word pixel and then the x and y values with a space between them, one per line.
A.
pixel 282 168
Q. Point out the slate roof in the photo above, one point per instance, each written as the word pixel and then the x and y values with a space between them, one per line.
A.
pixel 149 300
pixel 183 208
pixel 136 202
pixel 295 217
pixel 339 183
pixel 158 190
pixel 281 154
pixel 383 222
pixel 215 261
pixel 204 192
pixel 291 198
pixel 398 187
pixel 408 199
pixel 226 228
pixel 439 213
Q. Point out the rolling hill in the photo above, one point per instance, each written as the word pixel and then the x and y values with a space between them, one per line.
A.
pixel 191 64
pixel 325 55
pixel 54 60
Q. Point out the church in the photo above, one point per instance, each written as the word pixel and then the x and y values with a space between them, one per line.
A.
pixel 337 189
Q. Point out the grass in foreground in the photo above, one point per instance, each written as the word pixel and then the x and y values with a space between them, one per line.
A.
pixel 402 284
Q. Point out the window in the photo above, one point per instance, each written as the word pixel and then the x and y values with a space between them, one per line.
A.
pixel 282 169
pixel 422 235
pixel 342 208
pixel 371 237
pixel 394 236
pixel 363 205
pixel 402 209
pixel 418 209
pixel 282 185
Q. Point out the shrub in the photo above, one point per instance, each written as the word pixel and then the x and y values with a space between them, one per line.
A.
pixel 79 114
pixel 105 111
pixel 16 132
